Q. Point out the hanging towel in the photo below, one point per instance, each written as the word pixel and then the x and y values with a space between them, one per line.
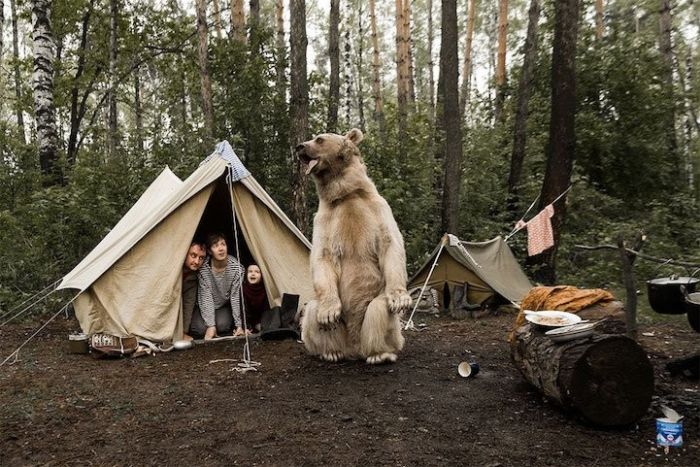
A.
pixel 539 232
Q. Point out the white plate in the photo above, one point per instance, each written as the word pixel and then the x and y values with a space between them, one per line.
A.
pixel 551 319
pixel 569 333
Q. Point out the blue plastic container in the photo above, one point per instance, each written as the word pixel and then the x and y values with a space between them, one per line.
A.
pixel 669 433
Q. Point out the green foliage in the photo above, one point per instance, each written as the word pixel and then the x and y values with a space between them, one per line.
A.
pixel 626 177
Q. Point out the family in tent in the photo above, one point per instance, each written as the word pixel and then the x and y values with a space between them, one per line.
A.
pixel 211 286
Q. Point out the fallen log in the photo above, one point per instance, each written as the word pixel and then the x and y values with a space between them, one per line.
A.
pixel 606 379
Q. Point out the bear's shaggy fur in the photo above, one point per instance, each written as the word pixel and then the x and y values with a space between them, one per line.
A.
pixel 358 261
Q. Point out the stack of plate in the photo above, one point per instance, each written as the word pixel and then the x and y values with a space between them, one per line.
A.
pixel 569 333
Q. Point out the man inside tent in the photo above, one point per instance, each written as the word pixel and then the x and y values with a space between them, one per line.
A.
pixel 193 261
pixel 218 295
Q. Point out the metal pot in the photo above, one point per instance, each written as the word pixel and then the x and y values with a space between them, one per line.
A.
pixel 666 296
pixel 692 307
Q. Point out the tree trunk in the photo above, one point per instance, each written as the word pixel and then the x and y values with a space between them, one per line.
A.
pixel 16 71
pixel 112 97
pixel 524 87
pixel 280 47
pixel 334 55
pixel 42 81
pixel 402 90
pixel 431 74
pixel 254 23
pixel 299 107
pixel 207 105
pixel 491 21
pixel 376 73
pixel 467 66
pixel 360 67
pixel 217 19
pixel 666 49
pixel 562 136
pixel 78 109
pixel 605 379
pixel 138 111
pixel 449 68
pixel 501 63
pixel 2 43
pixel 347 67
pixel 599 13
pixel 237 20
pixel 690 119
pixel 408 51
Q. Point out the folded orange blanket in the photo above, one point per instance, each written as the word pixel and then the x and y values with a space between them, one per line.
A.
pixel 561 298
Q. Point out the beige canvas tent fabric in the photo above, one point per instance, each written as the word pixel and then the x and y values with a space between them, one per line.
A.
pixel 131 282
pixel 487 267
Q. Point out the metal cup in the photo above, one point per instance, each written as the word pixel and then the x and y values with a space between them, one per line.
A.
pixel 468 370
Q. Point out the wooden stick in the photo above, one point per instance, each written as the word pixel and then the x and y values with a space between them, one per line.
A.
pixel 640 255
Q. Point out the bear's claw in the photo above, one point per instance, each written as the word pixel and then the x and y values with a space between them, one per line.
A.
pixel 329 314
pixel 332 356
pixel 399 301
pixel 386 357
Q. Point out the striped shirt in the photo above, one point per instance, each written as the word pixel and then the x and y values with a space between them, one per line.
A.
pixel 219 289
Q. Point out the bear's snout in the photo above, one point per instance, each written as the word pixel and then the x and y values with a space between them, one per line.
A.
pixel 300 148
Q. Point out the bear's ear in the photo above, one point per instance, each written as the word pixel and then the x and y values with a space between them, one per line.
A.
pixel 355 135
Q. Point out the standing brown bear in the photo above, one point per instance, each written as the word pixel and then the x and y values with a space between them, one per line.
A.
pixel 358 262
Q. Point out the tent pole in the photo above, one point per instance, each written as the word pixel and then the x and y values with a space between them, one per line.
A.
pixel 409 323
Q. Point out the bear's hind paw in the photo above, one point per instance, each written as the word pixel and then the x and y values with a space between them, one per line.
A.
pixel 386 357
pixel 332 356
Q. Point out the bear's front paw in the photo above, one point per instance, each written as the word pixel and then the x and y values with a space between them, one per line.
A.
pixel 328 313
pixel 399 301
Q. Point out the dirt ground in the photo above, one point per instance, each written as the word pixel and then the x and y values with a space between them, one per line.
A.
pixel 184 408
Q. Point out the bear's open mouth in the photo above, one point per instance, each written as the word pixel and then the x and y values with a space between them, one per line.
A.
pixel 309 162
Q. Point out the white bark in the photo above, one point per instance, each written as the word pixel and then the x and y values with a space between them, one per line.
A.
pixel 42 81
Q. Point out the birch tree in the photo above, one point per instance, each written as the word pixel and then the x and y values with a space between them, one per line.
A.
pixel 43 86
pixel 17 75
pixel 376 75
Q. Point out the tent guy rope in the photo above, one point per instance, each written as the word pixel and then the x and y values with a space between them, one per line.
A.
pixel 31 305
pixel 248 364
pixel 16 352
pixel 409 323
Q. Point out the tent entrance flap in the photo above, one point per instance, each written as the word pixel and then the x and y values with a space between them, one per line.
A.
pixel 218 218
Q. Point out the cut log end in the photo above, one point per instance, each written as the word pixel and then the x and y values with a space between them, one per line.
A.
pixel 606 379
pixel 612 383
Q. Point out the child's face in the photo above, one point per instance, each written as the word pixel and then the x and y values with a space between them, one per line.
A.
pixel 253 274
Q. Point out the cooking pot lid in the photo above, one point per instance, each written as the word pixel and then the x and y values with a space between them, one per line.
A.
pixel 675 281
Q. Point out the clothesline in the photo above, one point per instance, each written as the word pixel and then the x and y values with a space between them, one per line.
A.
pixel 518 227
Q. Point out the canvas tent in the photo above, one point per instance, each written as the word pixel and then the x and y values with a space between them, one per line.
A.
pixel 130 284
pixel 488 269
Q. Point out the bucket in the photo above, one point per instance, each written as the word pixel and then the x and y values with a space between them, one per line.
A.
pixel 78 343
pixel 669 433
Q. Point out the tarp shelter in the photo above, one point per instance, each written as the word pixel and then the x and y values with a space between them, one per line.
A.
pixel 488 268
pixel 130 284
